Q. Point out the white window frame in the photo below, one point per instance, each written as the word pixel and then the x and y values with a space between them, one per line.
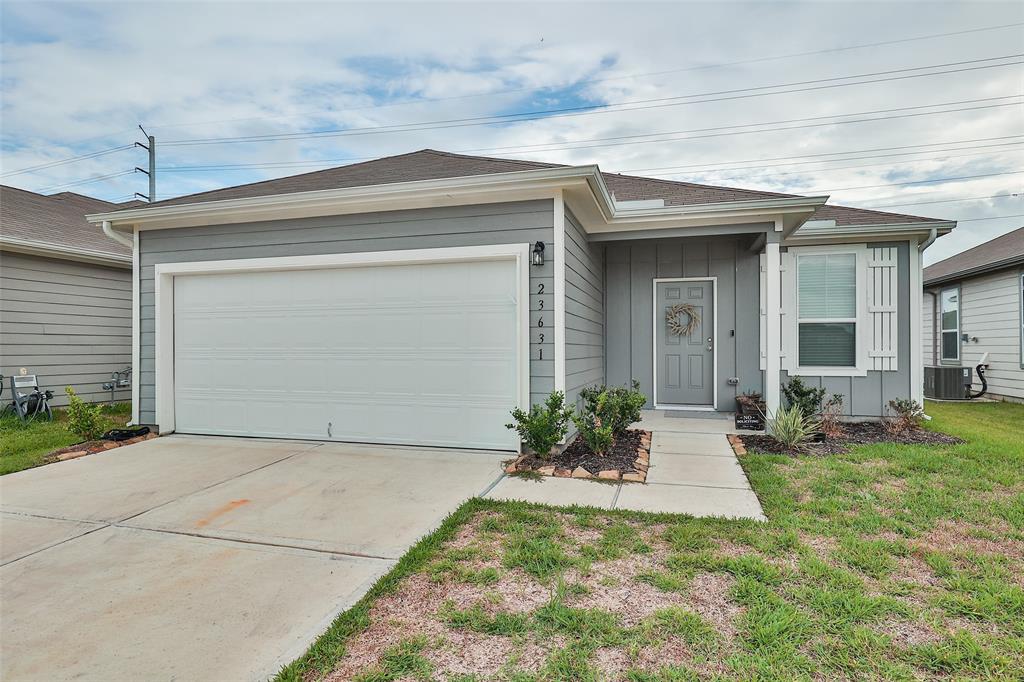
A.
pixel 942 329
pixel 861 321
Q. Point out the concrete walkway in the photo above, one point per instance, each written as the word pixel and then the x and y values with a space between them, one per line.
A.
pixel 693 471
pixel 195 558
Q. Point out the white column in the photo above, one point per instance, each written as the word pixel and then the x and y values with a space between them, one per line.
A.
pixel 136 329
pixel 916 303
pixel 773 327
pixel 559 224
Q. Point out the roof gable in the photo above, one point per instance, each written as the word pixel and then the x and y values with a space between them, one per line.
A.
pixel 996 253
pixel 56 220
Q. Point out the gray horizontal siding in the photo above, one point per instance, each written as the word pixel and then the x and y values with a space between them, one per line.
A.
pixel 68 322
pixel 508 223
pixel 869 396
pixel 990 311
pixel 632 267
pixel 584 311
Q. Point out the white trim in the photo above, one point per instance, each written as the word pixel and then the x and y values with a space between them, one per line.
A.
pixel 916 313
pixel 773 319
pixel 165 273
pixel 559 223
pixel 714 345
pixel 942 329
pixel 31 248
pixel 136 330
pixel 789 329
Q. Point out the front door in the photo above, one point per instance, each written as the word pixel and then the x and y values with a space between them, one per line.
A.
pixel 684 342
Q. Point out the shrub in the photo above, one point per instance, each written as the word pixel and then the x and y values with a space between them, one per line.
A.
pixel 616 407
pixel 831 412
pixel 906 415
pixel 798 394
pixel 84 420
pixel 544 426
pixel 593 430
pixel 792 427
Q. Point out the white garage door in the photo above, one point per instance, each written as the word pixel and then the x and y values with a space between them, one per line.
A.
pixel 417 354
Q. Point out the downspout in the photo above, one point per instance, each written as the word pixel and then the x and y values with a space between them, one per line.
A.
pixel 117 236
pixel 932 236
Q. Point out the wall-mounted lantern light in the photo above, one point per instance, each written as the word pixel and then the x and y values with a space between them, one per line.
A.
pixel 538 253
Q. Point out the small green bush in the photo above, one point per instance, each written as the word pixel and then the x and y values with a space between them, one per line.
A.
pixel 907 415
pixel 595 432
pixel 800 395
pixel 84 420
pixel 544 426
pixel 616 407
pixel 792 427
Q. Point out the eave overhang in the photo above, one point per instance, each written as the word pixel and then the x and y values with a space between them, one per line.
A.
pixel 32 248
pixel 1010 262
pixel 582 186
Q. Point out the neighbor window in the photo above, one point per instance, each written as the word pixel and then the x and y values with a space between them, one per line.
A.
pixel 950 309
pixel 827 310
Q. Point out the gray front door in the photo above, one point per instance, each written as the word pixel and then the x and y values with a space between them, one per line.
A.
pixel 685 366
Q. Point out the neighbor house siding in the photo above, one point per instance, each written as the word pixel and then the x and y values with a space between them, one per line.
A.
pixel 632 266
pixel 990 312
pixel 478 225
pixel 584 311
pixel 869 396
pixel 929 351
pixel 65 321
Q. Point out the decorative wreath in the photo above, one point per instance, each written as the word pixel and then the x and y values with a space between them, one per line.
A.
pixel 675 326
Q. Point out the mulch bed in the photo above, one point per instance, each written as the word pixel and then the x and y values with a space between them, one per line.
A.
pixel 627 460
pixel 91 447
pixel 854 433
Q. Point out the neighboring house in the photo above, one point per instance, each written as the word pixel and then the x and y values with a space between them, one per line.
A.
pixel 65 294
pixel 973 306
pixel 398 301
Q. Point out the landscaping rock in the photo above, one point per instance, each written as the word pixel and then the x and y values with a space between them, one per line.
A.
pixel 546 471
pixel 609 474
pixel 71 455
pixel 580 472
pixel 634 477
pixel 563 473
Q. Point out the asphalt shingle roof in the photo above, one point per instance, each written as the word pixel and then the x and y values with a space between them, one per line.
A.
pixel 56 220
pixel 1001 251
pixel 430 164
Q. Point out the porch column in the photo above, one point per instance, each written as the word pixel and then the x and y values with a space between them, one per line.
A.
pixel 773 326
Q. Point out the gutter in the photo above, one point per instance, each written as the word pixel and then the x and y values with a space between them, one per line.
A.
pixel 547 179
pixel 63 252
pixel 116 236
pixel 932 236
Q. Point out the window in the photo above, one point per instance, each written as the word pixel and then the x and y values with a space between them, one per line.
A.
pixel 827 310
pixel 949 301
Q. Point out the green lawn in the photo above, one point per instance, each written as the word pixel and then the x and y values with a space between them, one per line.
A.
pixel 23 446
pixel 891 562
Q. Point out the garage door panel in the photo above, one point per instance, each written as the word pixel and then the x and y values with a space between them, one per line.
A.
pixel 416 354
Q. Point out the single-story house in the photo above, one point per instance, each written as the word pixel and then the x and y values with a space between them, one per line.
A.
pixel 974 309
pixel 65 295
pixel 418 298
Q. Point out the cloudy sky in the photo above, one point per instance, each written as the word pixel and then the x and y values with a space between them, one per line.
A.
pixel 915 107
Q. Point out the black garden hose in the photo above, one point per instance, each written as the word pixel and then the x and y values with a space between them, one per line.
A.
pixel 980 369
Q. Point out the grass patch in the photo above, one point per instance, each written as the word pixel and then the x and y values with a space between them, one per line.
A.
pixel 23 446
pixel 887 562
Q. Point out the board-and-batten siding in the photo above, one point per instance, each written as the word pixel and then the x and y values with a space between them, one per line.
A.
pixel 478 225
pixel 632 266
pixel 65 321
pixel 869 396
pixel 990 311
pixel 584 311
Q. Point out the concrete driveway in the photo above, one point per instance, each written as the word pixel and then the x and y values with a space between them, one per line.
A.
pixel 207 558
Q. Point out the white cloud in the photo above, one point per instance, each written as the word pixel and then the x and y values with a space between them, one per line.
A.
pixel 91 72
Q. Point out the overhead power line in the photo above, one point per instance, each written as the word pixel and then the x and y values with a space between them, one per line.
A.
pixel 61 162
pixel 85 181
pixel 994 217
pixel 616 107
pixel 701 67
pixel 912 182
pixel 735 130
pixel 945 201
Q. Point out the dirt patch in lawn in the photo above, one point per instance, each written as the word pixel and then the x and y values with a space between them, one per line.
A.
pixel 948 536
pixel 854 433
